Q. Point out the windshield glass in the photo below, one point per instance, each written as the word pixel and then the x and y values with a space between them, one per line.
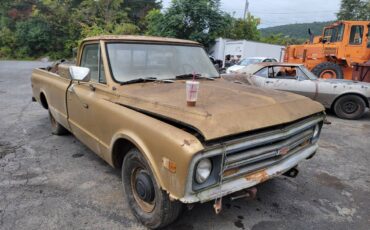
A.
pixel 133 61
pixel 248 61
pixel 309 74
pixel 334 34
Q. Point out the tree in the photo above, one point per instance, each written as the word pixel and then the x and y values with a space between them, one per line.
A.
pixel 138 9
pixel 245 28
pixel 199 20
pixel 354 10
pixel 104 17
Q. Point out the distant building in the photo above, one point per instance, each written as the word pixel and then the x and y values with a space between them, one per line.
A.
pixel 239 49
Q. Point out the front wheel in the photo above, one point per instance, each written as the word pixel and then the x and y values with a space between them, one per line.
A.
pixel 350 107
pixel 148 202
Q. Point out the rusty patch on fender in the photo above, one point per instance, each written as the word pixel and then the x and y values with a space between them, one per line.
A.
pixel 259 176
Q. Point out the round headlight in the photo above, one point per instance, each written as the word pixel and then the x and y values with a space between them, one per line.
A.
pixel 203 170
pixel 316 131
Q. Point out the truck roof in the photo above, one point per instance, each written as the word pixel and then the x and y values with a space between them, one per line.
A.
pixel 148 39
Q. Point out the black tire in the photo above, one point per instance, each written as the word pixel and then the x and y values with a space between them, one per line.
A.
pixel 56 128
pixel 350 107
pixel 160 211
pixel 328 67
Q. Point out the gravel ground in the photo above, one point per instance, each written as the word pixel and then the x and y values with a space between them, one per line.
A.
pixel 55 182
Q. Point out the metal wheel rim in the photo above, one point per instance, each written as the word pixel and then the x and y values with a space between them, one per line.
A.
pixel 349 107
pixel 328 74
pixel 145 206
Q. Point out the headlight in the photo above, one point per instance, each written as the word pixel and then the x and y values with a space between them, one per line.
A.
pixel 203 170
pixel 316 131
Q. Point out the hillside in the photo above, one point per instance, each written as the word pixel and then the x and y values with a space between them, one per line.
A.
pixel 299 31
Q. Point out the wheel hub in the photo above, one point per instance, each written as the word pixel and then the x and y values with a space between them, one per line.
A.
pixel 328 74
pixel 144 187
pixel 349 107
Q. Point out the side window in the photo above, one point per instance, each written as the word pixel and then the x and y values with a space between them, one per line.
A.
pixel 355 37
pixel 284 72
pixel 91 59
pixel 262 73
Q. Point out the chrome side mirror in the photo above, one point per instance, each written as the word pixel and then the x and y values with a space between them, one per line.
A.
pixel 79 73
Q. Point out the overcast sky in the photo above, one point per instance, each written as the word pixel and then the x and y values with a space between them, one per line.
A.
pixel 280 12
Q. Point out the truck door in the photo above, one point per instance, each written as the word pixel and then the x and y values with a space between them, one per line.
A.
pixel 291 79
pixel 82 97
pixel 356 49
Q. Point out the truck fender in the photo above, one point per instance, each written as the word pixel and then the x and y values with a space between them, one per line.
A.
pixel 139 144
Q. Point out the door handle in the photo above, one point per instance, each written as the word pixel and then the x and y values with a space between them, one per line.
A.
pixel 268 82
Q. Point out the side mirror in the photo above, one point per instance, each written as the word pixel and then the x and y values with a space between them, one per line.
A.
pixel 79 73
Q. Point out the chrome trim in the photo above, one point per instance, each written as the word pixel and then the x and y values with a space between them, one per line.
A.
pixel 251 141
pixel 249 181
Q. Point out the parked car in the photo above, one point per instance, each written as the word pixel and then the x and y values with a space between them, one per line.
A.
pixel 348 99
pixel 247 61
pixel 126 101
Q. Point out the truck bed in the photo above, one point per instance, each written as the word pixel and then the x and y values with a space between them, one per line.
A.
pixel 49 89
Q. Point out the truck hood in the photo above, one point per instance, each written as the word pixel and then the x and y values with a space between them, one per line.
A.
pixel 223 108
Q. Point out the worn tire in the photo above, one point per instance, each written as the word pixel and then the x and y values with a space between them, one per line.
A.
pixel 349 107
pixel 56 128
pixel 164 211
pixel 328 68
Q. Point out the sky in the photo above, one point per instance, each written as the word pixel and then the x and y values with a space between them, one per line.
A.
pixel 281 12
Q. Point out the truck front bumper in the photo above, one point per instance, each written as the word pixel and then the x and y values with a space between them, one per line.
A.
pixel 251 179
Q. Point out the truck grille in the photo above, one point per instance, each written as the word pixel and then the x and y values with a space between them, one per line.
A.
pixel 252 155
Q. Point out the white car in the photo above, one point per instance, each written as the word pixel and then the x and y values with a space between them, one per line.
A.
pixel 247 61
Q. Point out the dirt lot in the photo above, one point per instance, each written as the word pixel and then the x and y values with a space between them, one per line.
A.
pixel 52 182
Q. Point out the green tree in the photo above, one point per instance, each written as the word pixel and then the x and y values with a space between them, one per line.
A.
pixel 105 16
pixel 199 20
pixel 138 9
pixel 245 28
pixel 32 37
pixel 354 10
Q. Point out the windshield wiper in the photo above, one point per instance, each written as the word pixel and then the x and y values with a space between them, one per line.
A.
pixel 146 79
pixel 190 75
pixel 139 80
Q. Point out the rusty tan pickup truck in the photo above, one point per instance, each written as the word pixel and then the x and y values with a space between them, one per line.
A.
pixel 125 99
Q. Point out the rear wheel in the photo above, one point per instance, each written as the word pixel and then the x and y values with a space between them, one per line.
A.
pixel 328 70
pixel 56 128
pixel 150 205
pixel 350 107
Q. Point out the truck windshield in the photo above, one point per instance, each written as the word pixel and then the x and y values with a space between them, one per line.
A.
pixel 334 34
pixel 142 61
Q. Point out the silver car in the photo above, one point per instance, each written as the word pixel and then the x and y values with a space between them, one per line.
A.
pixel 348 99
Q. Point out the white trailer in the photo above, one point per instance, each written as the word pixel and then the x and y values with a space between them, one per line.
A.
pixel 244 48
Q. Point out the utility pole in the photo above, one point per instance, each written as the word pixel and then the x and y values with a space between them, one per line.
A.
pixel 246 9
